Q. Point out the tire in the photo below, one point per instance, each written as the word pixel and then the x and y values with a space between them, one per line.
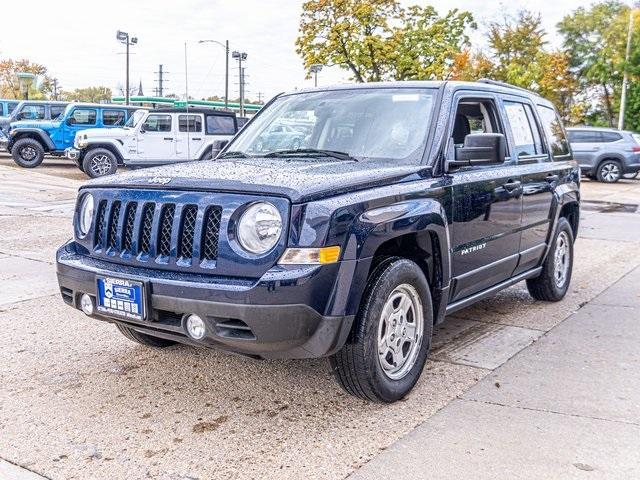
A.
pixel 143 339
pixel 630 176
pixel 27 152
pixel 609 171
pixel 99 162
pixel 358 366
pixel 553 282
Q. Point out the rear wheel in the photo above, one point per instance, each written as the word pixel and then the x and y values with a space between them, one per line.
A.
pixel 609 171
pixel 553 282
pixel 27 152
pixel 99 162
pixel 144 339
pixel 387 349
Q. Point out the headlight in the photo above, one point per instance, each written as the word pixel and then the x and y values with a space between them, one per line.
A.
pixel 259 228
pixel 85 215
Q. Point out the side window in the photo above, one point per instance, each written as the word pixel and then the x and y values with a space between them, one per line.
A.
pixel 523 130
pixel 189 123
pixel 609 137
pixel 32 112
pixel 11 106
pixel 584 136
pixel 554 131
pixel 57 110
pixel 83 116
pixel 113 118
pixel 220 125
pixel 157 123
pixel 1 109
pixel 472 116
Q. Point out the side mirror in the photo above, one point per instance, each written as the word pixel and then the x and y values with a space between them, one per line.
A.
pixel 71 121
pixel 142 130
pixel 480 149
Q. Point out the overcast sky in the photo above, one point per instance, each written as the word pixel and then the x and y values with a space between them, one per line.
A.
pixel 76 40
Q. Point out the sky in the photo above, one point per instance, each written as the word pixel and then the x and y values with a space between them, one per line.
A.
pixel 76 40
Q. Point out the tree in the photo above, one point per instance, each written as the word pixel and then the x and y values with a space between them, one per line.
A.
pixel 470 66
pixel 88 94
pixel 595 41
pixel 10 86
pixel 379 40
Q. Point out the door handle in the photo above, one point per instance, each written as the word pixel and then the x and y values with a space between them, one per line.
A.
pixel 512 185
pixel 552 178
pixel 168 138
pixel 196 138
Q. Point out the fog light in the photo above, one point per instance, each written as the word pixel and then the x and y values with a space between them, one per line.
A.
pixel 86 304
pixel 196 327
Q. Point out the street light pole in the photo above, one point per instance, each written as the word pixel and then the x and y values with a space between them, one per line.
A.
pixel 123 37
pixel 226 68
pixel 625 80
pixel 315 69
pixel 240 56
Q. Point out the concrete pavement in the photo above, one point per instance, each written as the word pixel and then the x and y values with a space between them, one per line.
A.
pixel 566 407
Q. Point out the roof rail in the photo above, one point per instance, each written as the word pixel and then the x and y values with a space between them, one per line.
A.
pixel 506 85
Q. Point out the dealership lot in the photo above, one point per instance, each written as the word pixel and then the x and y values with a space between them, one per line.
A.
pixel 78 395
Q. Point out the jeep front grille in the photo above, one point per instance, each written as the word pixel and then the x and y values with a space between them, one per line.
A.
pixel 164 231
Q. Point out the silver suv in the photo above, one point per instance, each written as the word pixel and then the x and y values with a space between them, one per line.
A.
pixel 605 154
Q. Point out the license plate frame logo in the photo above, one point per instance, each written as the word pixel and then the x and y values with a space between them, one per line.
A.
pixel 121 297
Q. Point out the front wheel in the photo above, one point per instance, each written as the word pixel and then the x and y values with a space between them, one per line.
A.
pixel 99 162
pixel 387 349
pixel 553 282
pixel 609 171
pixel 27 152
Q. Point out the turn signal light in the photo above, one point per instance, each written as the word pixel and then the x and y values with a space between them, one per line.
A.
pixel 310 256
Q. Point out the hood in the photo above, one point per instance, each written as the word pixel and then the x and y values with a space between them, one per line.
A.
pixel 300 180
pixel 41 124
pixel 106 132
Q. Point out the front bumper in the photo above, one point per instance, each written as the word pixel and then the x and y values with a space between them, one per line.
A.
pixel 272 317
pixel 4 144
pixel 73 154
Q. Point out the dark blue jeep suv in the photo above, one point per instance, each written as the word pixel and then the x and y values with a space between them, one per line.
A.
pixel 405 202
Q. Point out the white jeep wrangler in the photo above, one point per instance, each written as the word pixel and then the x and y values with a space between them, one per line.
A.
pixel 154 137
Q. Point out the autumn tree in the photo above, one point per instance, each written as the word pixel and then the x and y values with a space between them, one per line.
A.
pixel 594 38
pixel 380 40
pixel 10 86
pixel 88 94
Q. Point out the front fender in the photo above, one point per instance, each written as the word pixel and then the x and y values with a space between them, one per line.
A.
pixel 32 132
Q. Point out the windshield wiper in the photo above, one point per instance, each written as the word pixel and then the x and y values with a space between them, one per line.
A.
pixel 234 154
pixel 312 152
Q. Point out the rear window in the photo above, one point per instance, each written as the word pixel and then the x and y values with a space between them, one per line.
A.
pixel 553 129
pixel 219 125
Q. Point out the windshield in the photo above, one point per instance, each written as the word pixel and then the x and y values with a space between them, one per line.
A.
pixel 135 118
pixel 371 123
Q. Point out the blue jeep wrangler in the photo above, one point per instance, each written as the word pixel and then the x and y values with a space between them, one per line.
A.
pixel 29 140
pixel 32 110
pixel 7 106
pixel 406 202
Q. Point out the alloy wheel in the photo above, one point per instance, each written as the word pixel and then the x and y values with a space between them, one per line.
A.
pixel 100 165
pixel 562 259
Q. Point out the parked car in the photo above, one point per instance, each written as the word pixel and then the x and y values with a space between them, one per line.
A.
pixel 154 137
pixel 605 154
pixel 7 106
pixel 394 215
pixel 30 140
pixel 33 110
pixel 281 136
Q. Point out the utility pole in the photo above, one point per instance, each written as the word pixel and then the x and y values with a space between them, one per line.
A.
pixel 55 89
pixel 123 37
pixel 625 81
pixel 240 56
pixel 160 88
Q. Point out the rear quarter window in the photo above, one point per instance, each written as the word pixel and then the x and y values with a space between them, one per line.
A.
pixel 220 125
pixel 554 131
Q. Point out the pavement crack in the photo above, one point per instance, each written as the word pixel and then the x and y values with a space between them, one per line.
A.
pixel 554 412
